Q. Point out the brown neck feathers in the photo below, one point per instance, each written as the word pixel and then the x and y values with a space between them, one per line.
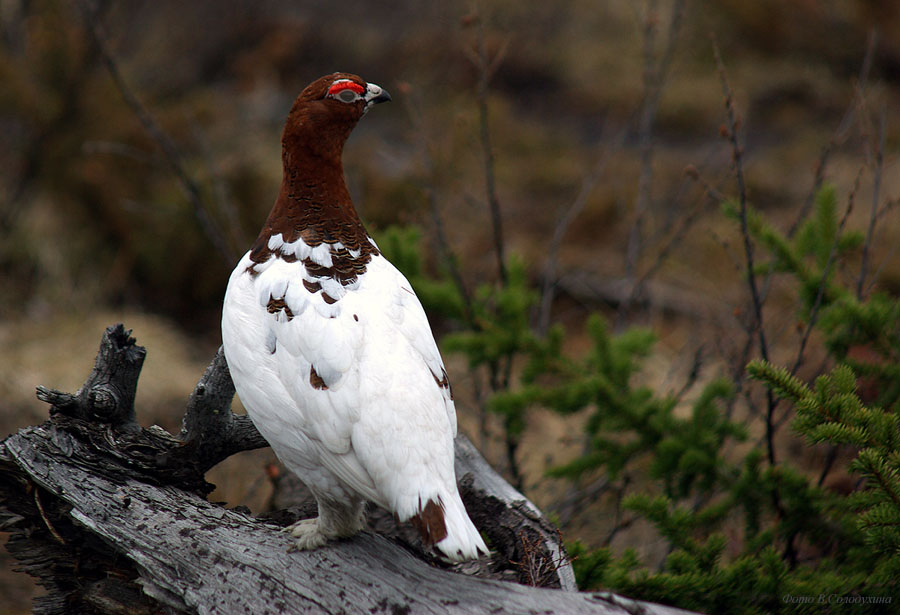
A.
pixel 313 203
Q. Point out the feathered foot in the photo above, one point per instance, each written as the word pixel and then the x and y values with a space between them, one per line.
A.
pixel 336 520
pixel 308 534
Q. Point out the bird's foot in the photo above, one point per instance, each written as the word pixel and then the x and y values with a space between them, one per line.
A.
pixel 308 534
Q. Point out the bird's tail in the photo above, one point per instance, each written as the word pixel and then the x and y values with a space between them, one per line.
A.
pixel 443 522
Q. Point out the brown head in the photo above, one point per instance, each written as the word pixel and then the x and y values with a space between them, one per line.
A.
pixel 324 114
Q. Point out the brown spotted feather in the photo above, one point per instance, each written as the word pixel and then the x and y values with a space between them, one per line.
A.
pixel 279 305
pixel 316 380
pixel 443 382
pixel 430 522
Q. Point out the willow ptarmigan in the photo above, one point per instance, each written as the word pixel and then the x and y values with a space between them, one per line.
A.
pixel 330 349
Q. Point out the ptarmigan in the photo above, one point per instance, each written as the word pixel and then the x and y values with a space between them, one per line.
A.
pixel 330 349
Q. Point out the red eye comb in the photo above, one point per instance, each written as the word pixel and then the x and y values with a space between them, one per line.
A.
pixel 340 86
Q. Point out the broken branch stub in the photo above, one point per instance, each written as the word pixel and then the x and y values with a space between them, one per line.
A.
pixel 109 392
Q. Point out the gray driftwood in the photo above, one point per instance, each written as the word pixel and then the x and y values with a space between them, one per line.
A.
pixel 112 518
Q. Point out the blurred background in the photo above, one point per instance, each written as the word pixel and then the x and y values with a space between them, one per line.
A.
pixel 140 154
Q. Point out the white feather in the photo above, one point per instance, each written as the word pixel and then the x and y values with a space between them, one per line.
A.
pixel 297 298
pixel 275 242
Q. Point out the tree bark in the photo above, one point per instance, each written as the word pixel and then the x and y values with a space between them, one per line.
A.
pixel 112 518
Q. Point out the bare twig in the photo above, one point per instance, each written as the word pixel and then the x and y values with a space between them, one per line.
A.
pixel 757 328
pixel 886 209
pixel 823 287
pixel 837 138
pixel 487 66
pixel 445 252
pixel 37 500
pixel 684 225
pixel 645 128
pixel 876 193
pixel 549 284
pixel 223 196
pixel 830 458
pixel 820 294
pixel 449 257
pixel 618 523
pixel 170 150
pixel 891 253
pixel 575 500
pixel 119 149
pixel 840 134
pixel 826 272
pixel 536 566
pixel 711 191
pixel 654 77
pixel 481 402
pixel 499 370
pixel 693 374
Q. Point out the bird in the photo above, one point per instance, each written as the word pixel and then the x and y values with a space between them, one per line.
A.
pixel 330 349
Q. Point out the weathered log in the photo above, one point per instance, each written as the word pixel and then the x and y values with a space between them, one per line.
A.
pixel 112 518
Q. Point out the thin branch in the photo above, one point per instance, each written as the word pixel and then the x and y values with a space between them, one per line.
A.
pixel 575 500
pixel 674 239
pixel 823 287
pixel 738 377
pixel 449 258
pixel 223 196
pixel 40 507
pixel 654 77
pixel 119 149
pixel 487 66
pixel 790 552
pixel 826 272
pixel 618 523
pixel 886 209
pixel 480 401
pixel 891 253
pixel 876 193
pixel 837 138
pixel 565 221
pixel 830 458
pixel 645 136
pixel 445 252
pixel 170 150
pixel 693 374
pixel 711 191
pixel 737 155
pixel 511 443
pixel 840 134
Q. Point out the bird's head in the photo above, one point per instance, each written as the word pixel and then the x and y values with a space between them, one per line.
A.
pixel 327 110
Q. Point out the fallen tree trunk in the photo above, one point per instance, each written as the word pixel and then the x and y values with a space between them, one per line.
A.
pixel 112 518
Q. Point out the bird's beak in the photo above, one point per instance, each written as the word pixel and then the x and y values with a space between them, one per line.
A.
pixel 376 94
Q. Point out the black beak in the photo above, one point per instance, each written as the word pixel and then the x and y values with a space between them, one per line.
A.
pixel 383 97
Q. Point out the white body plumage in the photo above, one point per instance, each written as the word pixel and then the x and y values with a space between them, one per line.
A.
pixel 346 383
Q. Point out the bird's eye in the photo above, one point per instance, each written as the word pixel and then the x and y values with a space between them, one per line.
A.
pixel 347 96
pixel 346 91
